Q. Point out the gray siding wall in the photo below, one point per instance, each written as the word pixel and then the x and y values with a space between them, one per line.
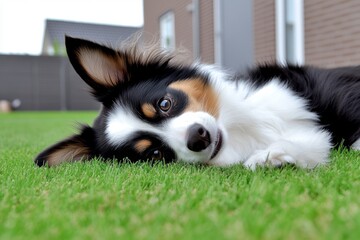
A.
pixel 237 34
pixel 43 83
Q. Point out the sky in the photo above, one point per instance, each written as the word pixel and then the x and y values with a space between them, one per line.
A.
pixel 22 22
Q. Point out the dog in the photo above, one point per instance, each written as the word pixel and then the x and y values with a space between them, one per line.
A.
pixel 155 109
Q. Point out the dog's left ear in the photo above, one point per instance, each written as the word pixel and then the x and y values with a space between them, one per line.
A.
pixel 99 66
pixel 75 148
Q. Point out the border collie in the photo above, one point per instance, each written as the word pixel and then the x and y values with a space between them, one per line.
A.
pixel 154 109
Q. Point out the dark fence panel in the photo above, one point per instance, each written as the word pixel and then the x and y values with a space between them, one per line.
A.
pixel 43 83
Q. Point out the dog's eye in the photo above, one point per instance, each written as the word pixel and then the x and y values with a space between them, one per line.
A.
pixel 165 104
pixel 156 155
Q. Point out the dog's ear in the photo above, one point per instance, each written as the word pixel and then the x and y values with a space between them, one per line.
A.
pixel 74 148
pixel 99 66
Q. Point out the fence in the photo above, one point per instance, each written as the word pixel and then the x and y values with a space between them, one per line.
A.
pixel 43 83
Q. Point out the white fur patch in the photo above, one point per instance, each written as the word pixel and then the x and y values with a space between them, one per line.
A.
pixel 356 145
pixel 122 123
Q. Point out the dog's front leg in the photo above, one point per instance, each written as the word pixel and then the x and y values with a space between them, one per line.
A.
pixel 304 149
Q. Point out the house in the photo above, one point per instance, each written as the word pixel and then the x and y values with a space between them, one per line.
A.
pixel 55 31
pixel 202 27
pixel 236 34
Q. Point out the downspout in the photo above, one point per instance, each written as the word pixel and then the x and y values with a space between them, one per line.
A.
pixel 217 33
pixel 280 9
pixel 196 29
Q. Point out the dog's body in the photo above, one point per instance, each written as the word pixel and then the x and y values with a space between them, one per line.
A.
pixel 153 109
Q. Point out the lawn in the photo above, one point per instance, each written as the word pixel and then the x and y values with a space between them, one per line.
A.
pixel 98 200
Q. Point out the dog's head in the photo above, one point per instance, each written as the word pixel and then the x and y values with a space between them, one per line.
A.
pixel 152 109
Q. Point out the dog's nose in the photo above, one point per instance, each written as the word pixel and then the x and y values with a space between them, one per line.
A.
pixel 198 138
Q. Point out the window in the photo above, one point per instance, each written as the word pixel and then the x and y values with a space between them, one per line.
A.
pixel 167 31
pixel 290 31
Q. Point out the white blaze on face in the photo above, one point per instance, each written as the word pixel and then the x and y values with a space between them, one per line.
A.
pixel 122 123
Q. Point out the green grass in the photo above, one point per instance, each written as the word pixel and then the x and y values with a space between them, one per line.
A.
pixel 96 200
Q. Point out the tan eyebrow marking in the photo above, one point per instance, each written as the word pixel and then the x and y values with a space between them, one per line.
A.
pixel 142 145
pixel 148 110
pixel 202 97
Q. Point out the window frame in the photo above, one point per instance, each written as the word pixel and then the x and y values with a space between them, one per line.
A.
pixel 298 27
pixel 167 20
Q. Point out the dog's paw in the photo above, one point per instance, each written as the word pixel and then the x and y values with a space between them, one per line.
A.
pixel 273 157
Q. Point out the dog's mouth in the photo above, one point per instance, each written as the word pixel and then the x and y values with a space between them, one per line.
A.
pixel 218 144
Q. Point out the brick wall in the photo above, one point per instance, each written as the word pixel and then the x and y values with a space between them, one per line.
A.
pixel 153 9
pixel 207 31
pixel 332 32
pixel 264 30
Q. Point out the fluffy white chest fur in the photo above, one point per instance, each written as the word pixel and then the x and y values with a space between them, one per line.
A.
pixel 267 126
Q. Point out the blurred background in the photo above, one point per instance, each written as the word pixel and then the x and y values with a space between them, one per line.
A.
pixel 235 34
